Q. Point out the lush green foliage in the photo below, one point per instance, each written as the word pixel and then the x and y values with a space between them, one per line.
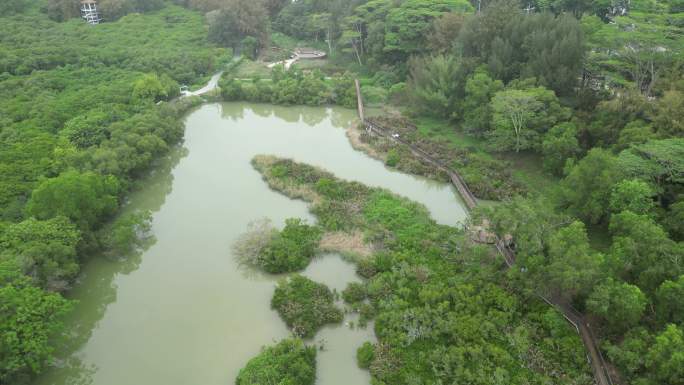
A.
pixel 588 186
pixel 291 87
pixel 45 250
pixel 289 362
pixel 28 318
pixel 46 125
pixel 541 45
pixel 592 89
pixel 239 23
pixel 434 295
pixel 559 145
pixel 11 7
pixel 621 305
pixel 87 199
pixel 273 251
pixel 305 305
pixel 79 122
pixel 365 355
pixel 291 249
pixel 631 285
pixel 521 116
pixel 436 84
pixel 354 293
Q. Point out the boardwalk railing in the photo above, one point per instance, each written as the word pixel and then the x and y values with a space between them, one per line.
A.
pixel 574 317
pixel 359 101
pixel 455 177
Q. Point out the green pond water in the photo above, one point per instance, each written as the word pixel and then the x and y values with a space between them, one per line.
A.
pixel 183 312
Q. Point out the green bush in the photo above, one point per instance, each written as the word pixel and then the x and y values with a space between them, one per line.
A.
pixel 354 292
pixel 397 93
pixel 366 268
pixel 292 248
pixel 374 95
pixel 365 355
pixel 366 313
pixel 305 305
pixel 392 158
pixel 231 90
pixel 290 362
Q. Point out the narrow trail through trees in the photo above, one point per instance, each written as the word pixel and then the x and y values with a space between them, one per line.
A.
pixel 574 317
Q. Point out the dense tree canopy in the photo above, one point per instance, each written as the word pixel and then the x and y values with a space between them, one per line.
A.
pixel 78 123
pixel 28 319
pixel 87 199
pixel 589 94
pixel 237 19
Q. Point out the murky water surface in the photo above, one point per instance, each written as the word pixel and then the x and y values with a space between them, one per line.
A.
pixel 183 312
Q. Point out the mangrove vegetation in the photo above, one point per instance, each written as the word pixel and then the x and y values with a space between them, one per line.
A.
pixel 563 117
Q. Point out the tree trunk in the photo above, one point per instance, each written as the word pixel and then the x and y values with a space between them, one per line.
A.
pixel 356 51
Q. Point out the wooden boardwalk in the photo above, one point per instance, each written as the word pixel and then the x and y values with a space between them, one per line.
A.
pixel 574 317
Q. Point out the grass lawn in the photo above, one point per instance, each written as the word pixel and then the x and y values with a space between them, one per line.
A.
pixel 249 69
pixel 312 64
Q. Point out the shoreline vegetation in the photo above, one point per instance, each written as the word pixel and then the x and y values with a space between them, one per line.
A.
pixel 290 361
pixel 396 227
pixel 568 114
pixel 85 113
pixel 305 305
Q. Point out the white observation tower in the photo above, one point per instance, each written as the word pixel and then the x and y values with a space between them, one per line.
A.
pixel 89 12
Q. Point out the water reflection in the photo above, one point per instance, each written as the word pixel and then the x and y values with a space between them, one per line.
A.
pixel 311 116
pixel 95 290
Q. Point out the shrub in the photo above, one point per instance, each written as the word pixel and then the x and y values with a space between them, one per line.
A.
pixel 366 268
pixel 278 252
pixel 305 305
pixel 365 355
pixel 366 313
pixel 397 93
pixel 291 249
pixel 374 95
pixel 231 90
pixel 288 362
pixel 355 292
pixel 392 158
pixel 331 188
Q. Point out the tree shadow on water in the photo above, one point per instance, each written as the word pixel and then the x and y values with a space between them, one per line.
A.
pixel 95 288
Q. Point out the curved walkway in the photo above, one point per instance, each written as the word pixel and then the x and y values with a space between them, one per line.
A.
pixel 211 85
pixel 601 374
pixel 299 54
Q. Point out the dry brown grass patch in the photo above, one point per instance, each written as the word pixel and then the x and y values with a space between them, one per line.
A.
pixel 354 136
pixel 346 243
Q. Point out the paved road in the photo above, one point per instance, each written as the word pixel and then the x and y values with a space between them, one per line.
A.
pixel 287 62
pixel 211 85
